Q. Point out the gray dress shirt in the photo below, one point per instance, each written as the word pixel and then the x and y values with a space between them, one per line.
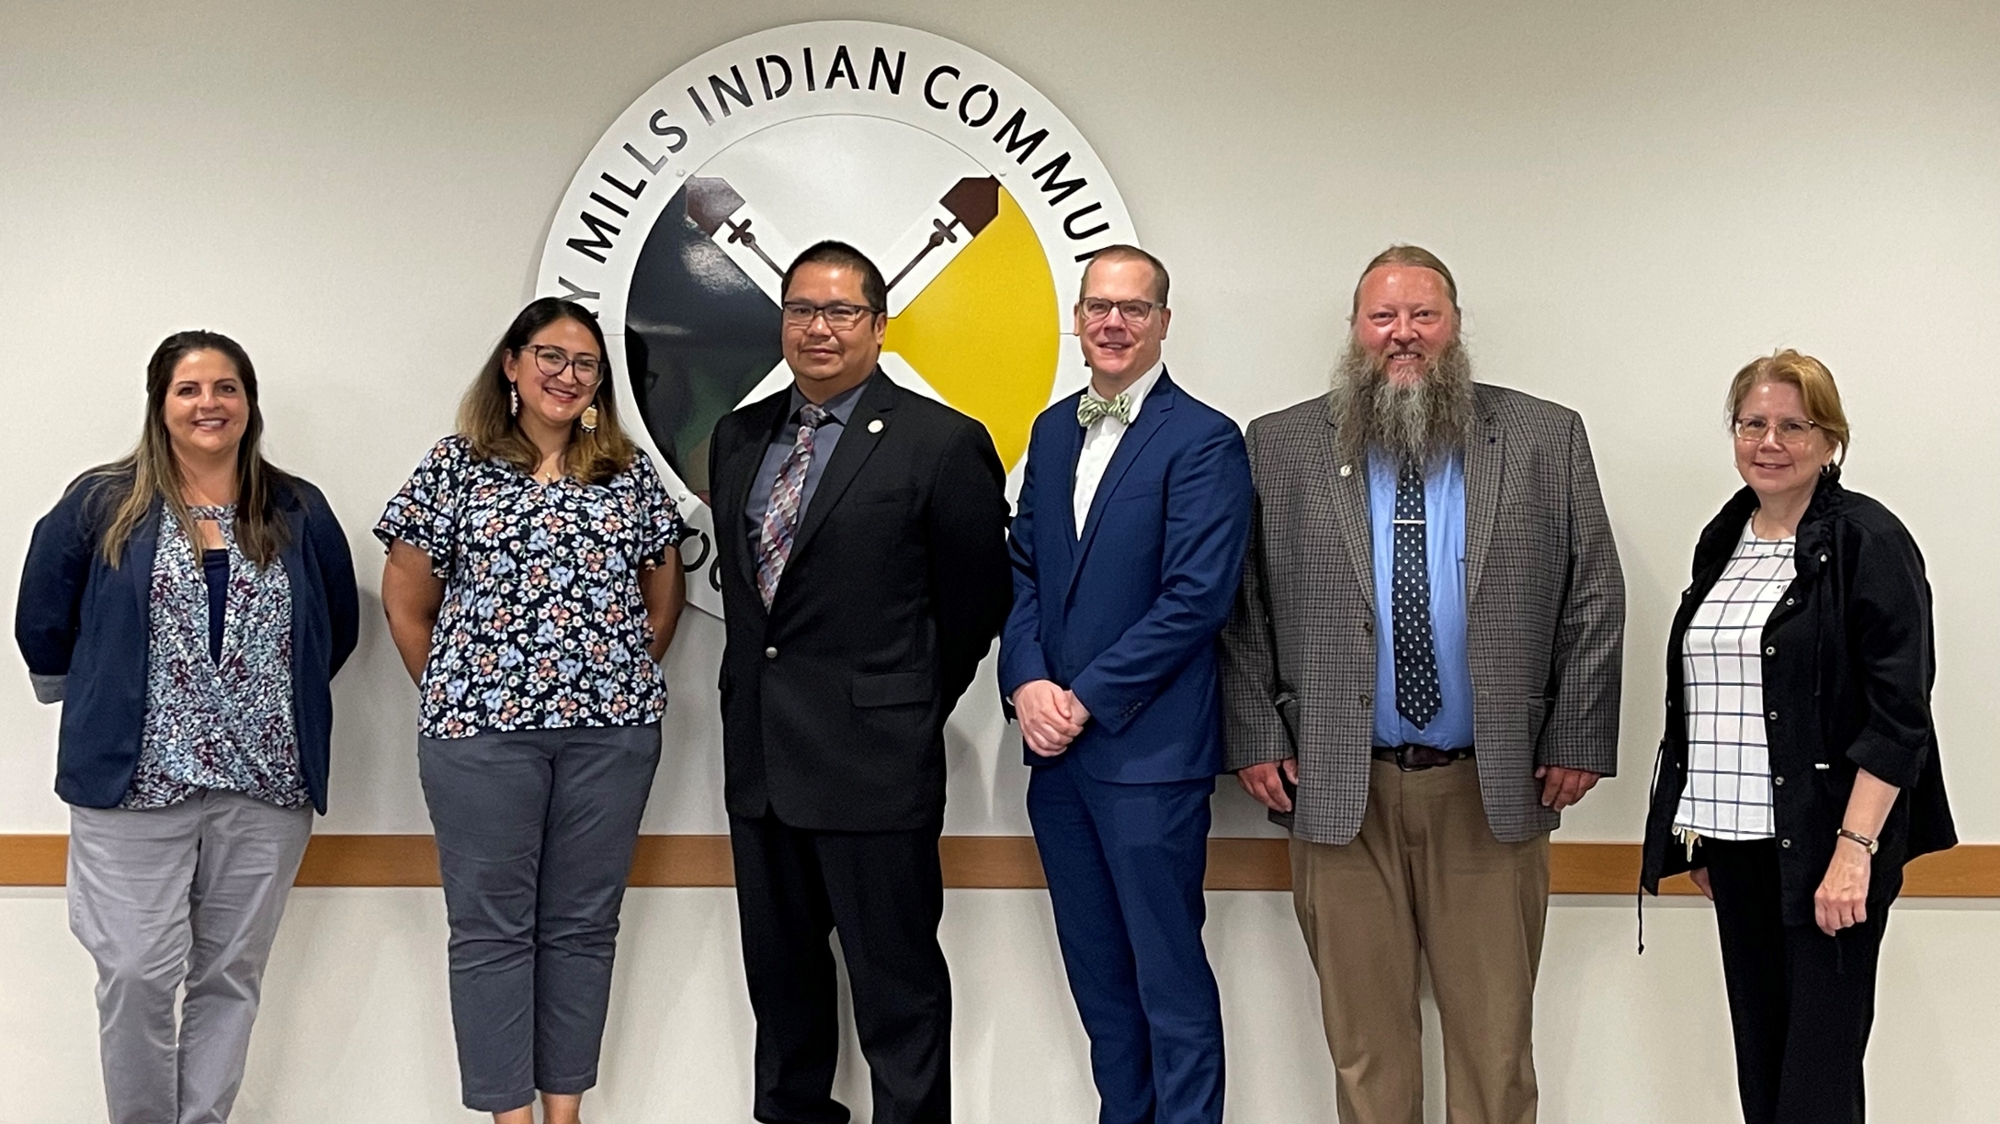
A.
pixel 839 408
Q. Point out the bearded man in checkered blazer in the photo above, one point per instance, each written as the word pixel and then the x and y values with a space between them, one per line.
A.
pixel 1421 673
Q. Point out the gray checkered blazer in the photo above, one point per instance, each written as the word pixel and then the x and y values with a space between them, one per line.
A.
pixel 1545 607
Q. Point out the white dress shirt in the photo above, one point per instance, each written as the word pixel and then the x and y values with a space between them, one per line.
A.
pixel 1101 439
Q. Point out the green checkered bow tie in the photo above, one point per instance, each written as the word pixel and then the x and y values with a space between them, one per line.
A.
pixel 1091 407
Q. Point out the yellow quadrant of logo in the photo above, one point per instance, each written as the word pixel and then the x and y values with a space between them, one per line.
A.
pixel 985 332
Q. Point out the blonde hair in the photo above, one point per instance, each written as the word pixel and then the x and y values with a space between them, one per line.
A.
pixel 1816 390
pixel 1400 254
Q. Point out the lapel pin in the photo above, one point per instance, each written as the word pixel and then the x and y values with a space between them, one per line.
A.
pixel 875 426
pixel 1347 470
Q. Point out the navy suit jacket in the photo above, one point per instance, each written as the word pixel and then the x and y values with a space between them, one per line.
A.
pixel 1127 615
pixel 84 628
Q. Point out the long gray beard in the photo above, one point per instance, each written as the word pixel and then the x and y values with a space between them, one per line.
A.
pixel 1422 422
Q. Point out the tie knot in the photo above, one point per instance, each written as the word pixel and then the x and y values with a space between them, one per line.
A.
pixel 812 417
pixel 1091 407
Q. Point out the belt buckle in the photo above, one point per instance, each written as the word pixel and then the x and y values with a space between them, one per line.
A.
pixel 1403 760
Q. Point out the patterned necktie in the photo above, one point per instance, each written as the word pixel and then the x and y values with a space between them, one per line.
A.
pixel 781 518
pixel 1090 407
pixel 1417 694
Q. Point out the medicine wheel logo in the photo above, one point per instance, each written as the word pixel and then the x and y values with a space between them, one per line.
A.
pixel 975 195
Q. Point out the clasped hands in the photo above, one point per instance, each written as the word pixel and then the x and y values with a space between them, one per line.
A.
pixel 1051 717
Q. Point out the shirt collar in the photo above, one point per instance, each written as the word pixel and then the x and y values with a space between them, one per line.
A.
pixel 1136 393
pixel 839 408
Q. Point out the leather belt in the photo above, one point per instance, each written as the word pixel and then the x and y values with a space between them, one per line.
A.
pixel 1410 758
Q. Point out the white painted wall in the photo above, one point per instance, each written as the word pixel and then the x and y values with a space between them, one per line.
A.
pixel 1637 198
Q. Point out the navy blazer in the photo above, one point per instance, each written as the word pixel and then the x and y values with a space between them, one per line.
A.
pixel 1127 615
pixel 85 630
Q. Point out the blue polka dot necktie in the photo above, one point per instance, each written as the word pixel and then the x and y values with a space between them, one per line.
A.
pixel 1417 694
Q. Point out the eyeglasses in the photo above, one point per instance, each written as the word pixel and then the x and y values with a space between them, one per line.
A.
pixel 553 361
pixel 1791 431
pixel 839 316
pixel 1132 312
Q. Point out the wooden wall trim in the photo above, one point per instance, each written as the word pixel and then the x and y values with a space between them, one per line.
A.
pixel 982 862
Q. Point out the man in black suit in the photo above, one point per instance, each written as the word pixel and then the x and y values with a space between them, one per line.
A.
pixel 862 538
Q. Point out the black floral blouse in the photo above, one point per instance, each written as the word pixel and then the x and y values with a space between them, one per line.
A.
pixel 542 625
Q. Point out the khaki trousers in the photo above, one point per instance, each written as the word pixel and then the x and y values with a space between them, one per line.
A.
pixel 1425 877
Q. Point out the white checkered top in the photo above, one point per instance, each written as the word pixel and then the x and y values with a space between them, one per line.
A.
pixel 1728 792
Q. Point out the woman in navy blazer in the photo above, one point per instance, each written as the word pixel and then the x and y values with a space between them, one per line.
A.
pixel 188 606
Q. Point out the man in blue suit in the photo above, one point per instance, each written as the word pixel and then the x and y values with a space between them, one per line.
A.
pixel 1127 549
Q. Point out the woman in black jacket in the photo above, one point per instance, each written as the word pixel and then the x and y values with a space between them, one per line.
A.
pixel 1799 768
pixel 187 605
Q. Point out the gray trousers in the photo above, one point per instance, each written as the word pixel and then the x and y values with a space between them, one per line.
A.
pixel 183 896
pixel 535 831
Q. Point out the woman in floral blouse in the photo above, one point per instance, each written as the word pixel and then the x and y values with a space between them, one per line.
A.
pixel 533 584
pixel 188 605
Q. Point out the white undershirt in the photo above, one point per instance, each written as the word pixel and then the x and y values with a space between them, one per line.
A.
pixel 1728 792
pixel 1100 440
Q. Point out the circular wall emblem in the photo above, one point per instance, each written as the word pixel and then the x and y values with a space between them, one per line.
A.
pixel 974 194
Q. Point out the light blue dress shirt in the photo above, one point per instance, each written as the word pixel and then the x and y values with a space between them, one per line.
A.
pixel 1444 548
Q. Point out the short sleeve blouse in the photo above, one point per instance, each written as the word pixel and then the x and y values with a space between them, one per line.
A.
pixel 542 625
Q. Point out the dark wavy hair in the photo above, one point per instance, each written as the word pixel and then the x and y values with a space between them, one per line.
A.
pixel 152 472
pixel 486 419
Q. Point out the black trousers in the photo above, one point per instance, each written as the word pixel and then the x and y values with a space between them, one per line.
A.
pixel 884 893
pixel 1801 1003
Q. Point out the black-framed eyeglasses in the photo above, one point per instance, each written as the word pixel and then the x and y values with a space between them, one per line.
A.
pixel 840 316
pixel 1132 312
pixel 553 361
pixel 1791 431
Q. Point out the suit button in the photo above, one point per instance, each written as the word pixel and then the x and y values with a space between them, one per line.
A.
pixel 1368 626
pixel 1785 843
pixel 1774 714
pixel 772 654
pixel 1367 699
pixel 1779 781
pixel 1770 651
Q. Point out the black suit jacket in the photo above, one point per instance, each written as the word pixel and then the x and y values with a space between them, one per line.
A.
pixel 834 700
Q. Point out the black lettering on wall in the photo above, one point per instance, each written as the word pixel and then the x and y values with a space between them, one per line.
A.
pixel 594 246
pixel 842 64
pixel 574 292
pixel 764 76
pixel 1010 136
pixel 609 205
pixel 890 78
pixel 1069 223
pixel 930 96
pixel 811 82
pixel 705 114
pixel 726 93
pixel 1060 189
pixel 992 105
pixel 675 136
pixel 652 166
pixel 632 190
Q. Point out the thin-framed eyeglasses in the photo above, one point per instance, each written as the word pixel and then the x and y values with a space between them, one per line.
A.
pixel 1095 309
pixel 840 316
pixel 553 361
pixel 1791 431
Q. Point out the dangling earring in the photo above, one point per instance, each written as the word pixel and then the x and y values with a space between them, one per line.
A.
pixel 513 402
pixel 589 419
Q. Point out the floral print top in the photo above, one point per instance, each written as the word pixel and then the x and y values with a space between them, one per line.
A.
pixel 542 625
pixel 223 724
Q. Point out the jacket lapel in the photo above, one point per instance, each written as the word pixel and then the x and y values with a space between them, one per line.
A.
pixel 140 550
pixel 857 441
pixel 1346 482
pixel 1485 459
pixel 1152 415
